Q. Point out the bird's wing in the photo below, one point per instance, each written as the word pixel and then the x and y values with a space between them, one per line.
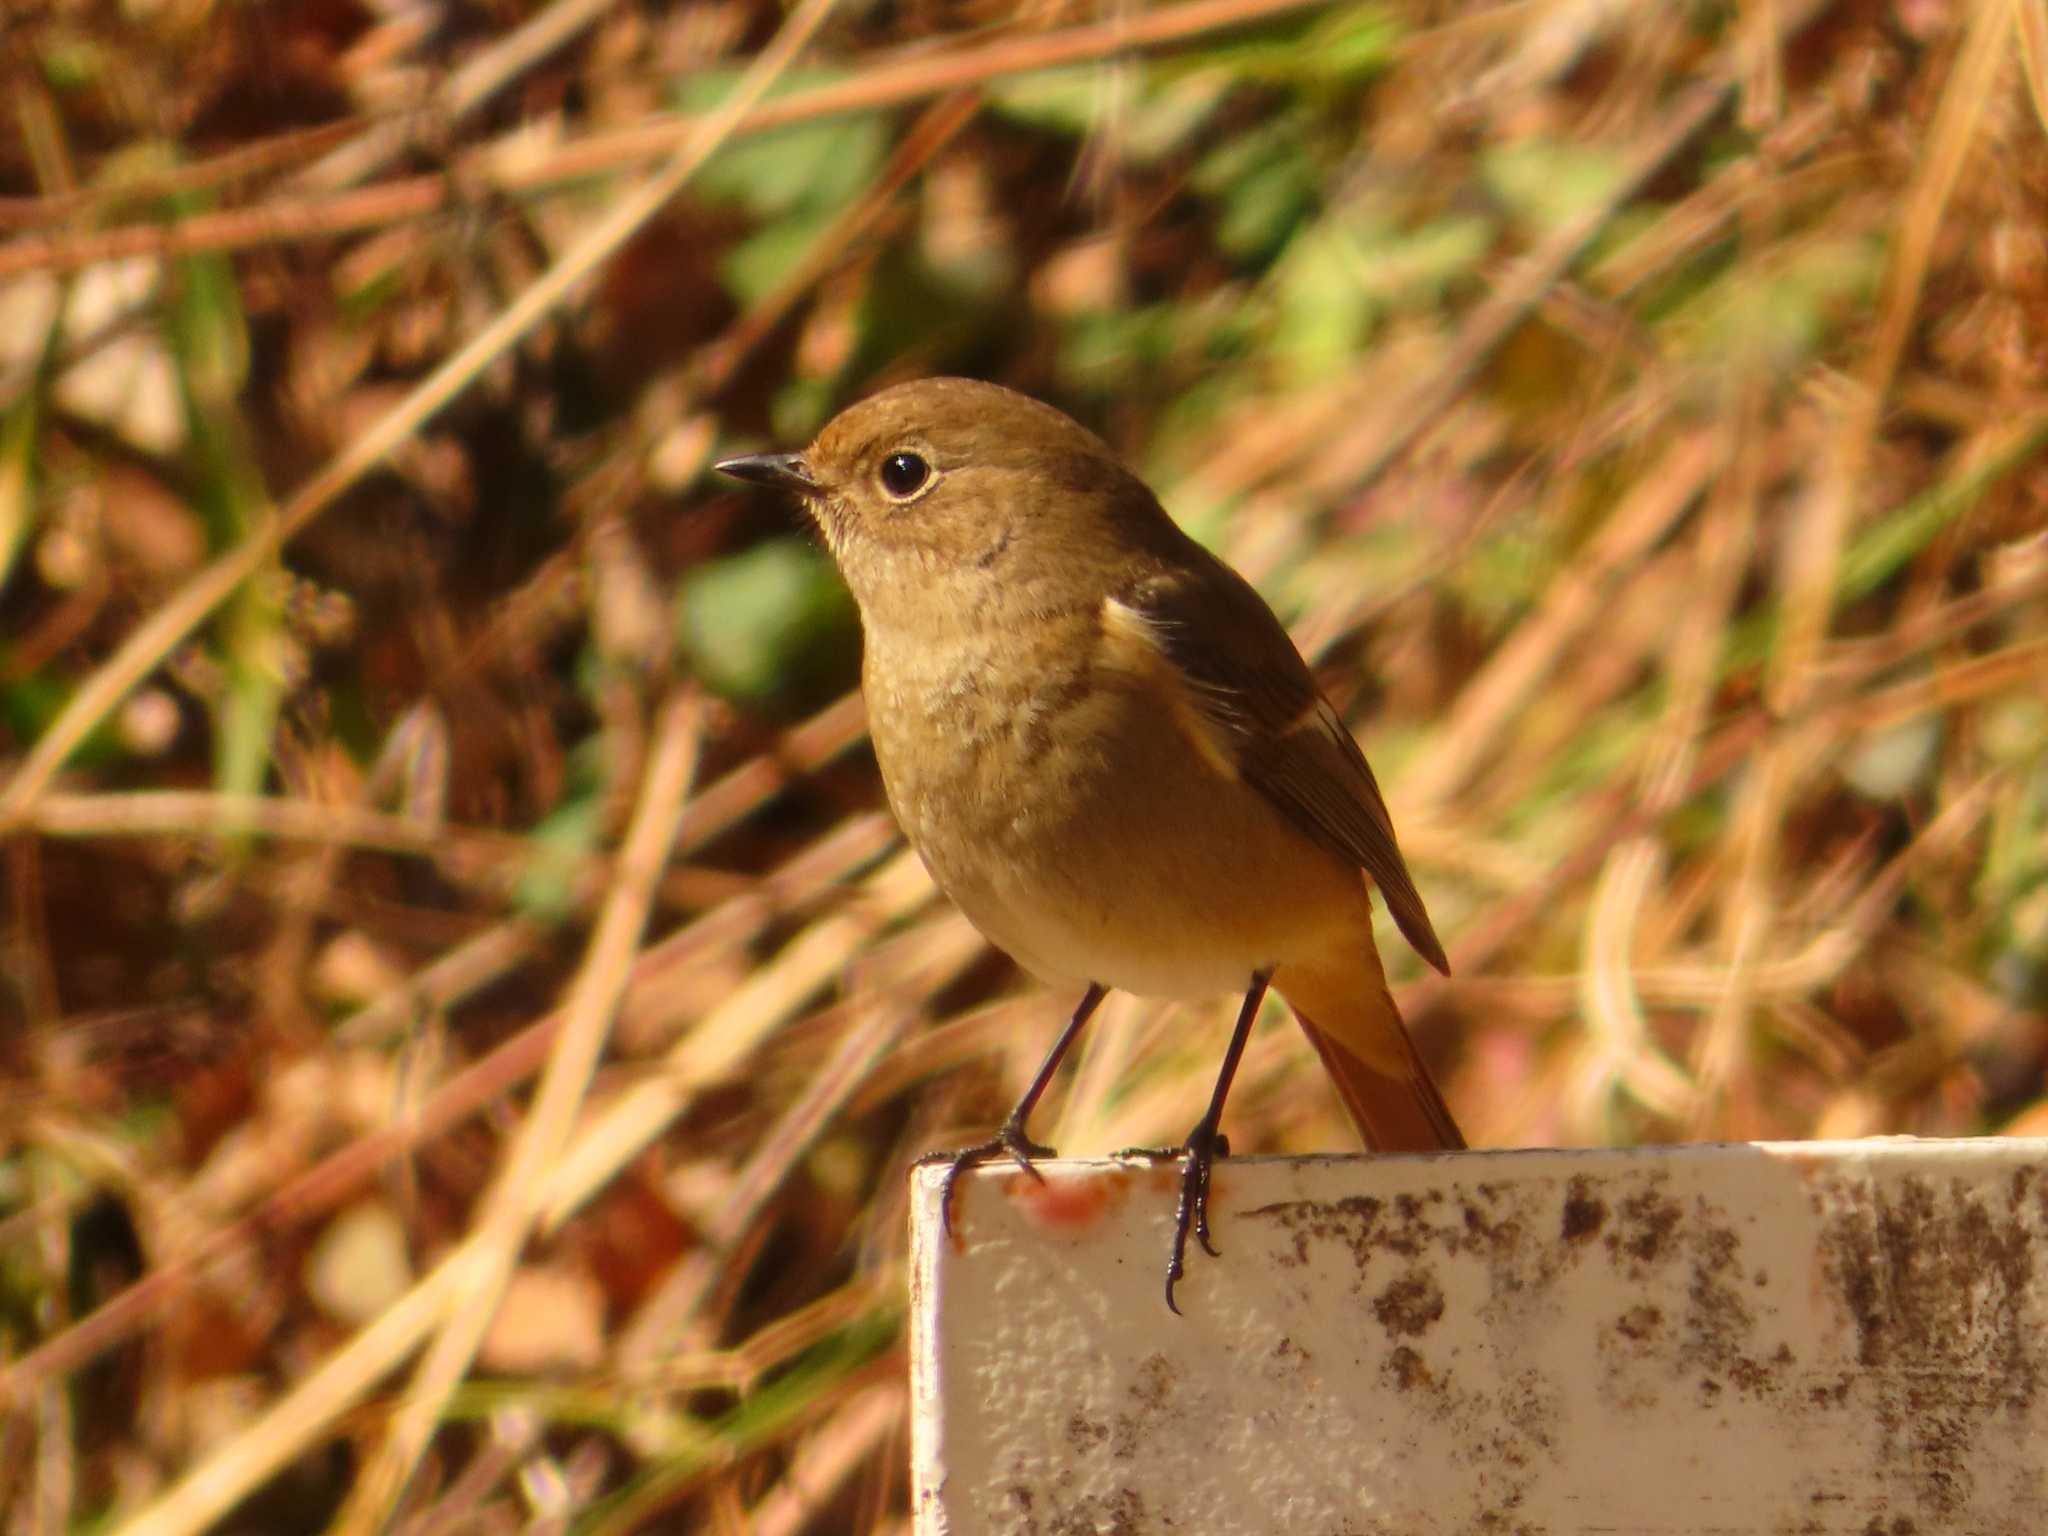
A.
pixel 1244 673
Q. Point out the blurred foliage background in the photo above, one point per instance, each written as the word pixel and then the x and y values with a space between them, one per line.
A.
pixel 1638 413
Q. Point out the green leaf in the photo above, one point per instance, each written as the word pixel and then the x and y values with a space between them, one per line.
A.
pixel 1103 348
pixel 1413 267
pixel 1148 115
pixel 1549 183
pixel 1323 309
pixel 1775 315
pixel 1503 575
pixel 34 699
pixel 756 265
pixel 72 61
pixel 811 167
pixel 208 332
pixel 546 889
pixel 751 622
pixel 1264 185
pixel 1343 274
pixel 1064 101
pixel 1883 549
pixel 1354 43
pixel 1339 47
pixel 208 338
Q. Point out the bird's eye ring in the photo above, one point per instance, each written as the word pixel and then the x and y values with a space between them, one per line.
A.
pixel 903 475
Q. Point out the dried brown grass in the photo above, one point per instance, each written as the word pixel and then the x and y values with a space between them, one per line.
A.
pixel 1670 517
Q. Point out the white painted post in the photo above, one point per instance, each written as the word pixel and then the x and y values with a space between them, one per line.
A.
pixel 1836 1338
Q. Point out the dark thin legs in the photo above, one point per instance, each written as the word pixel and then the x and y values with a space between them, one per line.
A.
pixel 1205 1144
pixel 1011 1138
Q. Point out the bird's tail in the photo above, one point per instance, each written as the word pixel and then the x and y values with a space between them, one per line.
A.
pixel 1350 1018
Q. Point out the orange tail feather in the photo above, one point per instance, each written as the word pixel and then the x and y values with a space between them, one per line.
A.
pixel 1404 1114
pixel 1352 1022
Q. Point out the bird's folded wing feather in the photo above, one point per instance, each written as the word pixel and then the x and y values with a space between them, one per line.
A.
pixel 1246 675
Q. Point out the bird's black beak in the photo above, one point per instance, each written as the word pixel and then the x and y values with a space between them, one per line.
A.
pixel 783 471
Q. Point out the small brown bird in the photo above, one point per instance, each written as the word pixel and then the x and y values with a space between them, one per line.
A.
pixel 1106 749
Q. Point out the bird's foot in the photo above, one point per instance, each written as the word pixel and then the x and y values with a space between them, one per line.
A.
pixel 1221 1145
pixel 1204 1145
pixel 1009 1142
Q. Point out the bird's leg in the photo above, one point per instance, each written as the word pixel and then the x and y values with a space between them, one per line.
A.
pixel 1205 1144
pixel 1011 1138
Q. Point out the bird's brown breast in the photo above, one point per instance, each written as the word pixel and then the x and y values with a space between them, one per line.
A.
pixel 983 730
pixel 1081 813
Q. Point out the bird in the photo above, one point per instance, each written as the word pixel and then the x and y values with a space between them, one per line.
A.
pixel 1108 752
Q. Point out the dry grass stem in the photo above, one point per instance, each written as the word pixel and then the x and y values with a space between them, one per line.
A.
pixel 512 1206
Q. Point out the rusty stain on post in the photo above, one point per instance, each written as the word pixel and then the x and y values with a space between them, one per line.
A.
pixel 1821 1337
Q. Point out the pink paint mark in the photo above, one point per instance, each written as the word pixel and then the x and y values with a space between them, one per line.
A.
pixel 1069 1204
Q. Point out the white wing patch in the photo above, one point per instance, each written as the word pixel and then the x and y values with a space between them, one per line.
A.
pixel 1132 645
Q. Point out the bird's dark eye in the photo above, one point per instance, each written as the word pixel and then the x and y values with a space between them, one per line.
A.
pixel 904 475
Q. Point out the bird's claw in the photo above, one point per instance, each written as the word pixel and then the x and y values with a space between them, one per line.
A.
pixel 1204 1145
pixel 1010 1141
pixel 1167 1154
